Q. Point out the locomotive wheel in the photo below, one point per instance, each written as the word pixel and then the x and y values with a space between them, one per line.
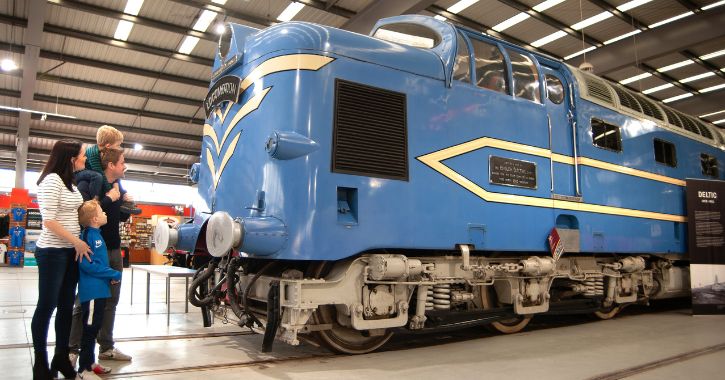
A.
pixel 509 326
pixel 340 338
pixel 608 313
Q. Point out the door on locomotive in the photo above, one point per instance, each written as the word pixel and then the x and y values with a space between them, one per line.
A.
pixel 562 133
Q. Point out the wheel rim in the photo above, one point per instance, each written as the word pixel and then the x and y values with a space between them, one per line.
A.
pixel 508 326
pixel 608 313
pixel 341 338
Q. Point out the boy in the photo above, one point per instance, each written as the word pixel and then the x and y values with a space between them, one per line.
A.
pixel 92 180
pixel 93 284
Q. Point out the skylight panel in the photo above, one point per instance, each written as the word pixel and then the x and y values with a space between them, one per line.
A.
pixel 623 36
pixel 678 97
pixel 547 4
pixel 551 37
pixel 591 20
pixel 712 114
pixel 461 5
pixel 510 22
pixel 123 29
pixel 580 52
pixel 188 45
pixel 676 65
pixel 635 78
pixel 713 5
pixel 713 88
pixel 204 20
pixel 439 17
pixel 133 7
pixel 290 12
pixel 669 20
pixel 697 77
pixel 719 121
pixel 712 55
pixel 658 88
pixel 632 4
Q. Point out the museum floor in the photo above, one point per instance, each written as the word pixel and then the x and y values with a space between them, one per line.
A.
pixel 667 343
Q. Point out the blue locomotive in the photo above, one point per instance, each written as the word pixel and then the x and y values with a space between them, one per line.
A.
pixel 420 178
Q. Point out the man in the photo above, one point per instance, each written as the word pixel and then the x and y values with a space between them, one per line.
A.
pixel 114 167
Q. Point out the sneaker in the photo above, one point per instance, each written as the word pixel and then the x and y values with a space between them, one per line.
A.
pixel 73 357
pixel 87 375
pixel 114 354
pixel 99 369
pixel 130 208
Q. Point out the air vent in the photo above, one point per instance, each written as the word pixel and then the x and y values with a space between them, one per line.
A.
pixel 627 100
pixel 370 135
pixel 687 123
pixel 598 89
pixel 649 107
pixel 672 117
pixel 704 130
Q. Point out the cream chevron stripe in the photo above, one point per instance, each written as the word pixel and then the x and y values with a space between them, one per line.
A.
pixel 434 161
pixel 226 158
pixel 283 63
pixel 209 131
pixel 210 164
pixel 251 105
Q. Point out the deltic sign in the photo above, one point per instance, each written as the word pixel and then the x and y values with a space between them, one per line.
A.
pixel 226 89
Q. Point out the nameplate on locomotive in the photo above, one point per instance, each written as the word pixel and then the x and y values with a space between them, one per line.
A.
pixel 510 172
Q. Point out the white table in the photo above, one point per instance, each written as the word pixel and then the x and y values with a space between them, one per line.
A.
pixel 168 272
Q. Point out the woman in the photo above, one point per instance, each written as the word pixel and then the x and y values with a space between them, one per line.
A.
pixel 58 249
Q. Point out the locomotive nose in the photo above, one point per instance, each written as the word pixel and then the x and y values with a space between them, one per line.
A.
pixel 256 236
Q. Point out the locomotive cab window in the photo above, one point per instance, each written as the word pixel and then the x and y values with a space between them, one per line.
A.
pixel 606 136
pixel 490 66
pixel 665 153
pixel 409 34
pixel 526 77
pixel 554 89
pixel 462 66
pixel 709 165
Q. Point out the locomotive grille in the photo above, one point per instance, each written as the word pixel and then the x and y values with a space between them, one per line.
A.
pixel 598 89
pixel 370 133
pixel 627 100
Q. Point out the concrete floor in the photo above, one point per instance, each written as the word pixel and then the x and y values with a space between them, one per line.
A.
pixel 649 344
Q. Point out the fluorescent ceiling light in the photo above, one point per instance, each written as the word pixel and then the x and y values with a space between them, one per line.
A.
pixel 632 4
pixel 123 30
pixel 547 4
pixel 623 36
pixel 580 52
pixel 591 20
pixel 712 55
pixel 510 22
pixel 696 77
pixel 290 12
pixel 551 37
pixel 137 146
pixel 439 17
pixel 675 66
pixel 204 20
pixel 461 5
pixel 713 114
pixel 669 20
pixel 713 88
pixel 8 65
pixel 132 7
pixel 658 88
pixel 719 3
pixel 188 45
pixel 678 97
pixel 635 78
pixel 34 111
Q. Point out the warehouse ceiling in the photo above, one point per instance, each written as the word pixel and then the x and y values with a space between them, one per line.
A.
pixel 146 69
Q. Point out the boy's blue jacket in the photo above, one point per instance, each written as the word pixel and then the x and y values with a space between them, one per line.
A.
pixel 95 276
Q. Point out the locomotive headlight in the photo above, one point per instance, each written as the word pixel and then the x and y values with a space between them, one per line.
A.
pixel 164 236
pixel 222 234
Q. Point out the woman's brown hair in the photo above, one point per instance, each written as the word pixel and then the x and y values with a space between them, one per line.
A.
pixel 60 163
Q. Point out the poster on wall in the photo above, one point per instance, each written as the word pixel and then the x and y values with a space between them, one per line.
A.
pixel 706 245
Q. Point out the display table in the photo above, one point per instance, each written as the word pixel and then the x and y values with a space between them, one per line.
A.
pixel 168 272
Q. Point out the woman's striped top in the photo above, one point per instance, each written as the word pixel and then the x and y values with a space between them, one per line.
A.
pixel 59 204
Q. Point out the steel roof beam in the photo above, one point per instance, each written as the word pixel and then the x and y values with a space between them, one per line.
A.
pixel 626 17
pixel 690 5
pixel 707 65
pixel 478 27
pixel 85 36
pixel 364 20
pixel 122 128
pixel 225 12
pixel 669 79
pixel 109 66
pixel 105 107
pixel 551 22
pixel 653 43
pixel 112 13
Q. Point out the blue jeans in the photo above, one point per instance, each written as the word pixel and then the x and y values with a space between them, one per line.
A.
pixel 57 280
pixel 90 331
pixel 90 183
